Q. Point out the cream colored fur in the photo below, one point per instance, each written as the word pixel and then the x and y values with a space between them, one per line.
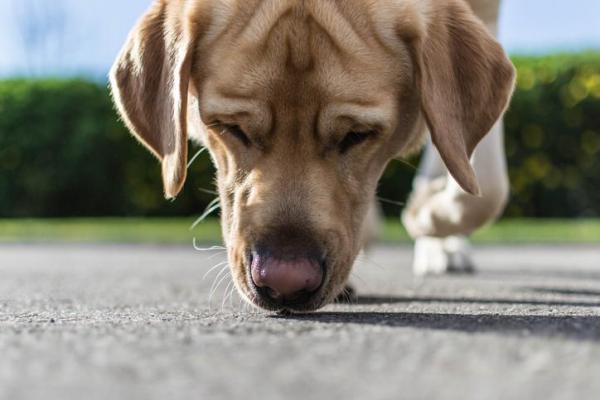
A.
pixel 278 91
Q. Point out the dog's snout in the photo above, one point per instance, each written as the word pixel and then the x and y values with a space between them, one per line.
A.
pixel 286 280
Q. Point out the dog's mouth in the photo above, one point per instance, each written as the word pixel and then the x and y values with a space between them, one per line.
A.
pixel 299 292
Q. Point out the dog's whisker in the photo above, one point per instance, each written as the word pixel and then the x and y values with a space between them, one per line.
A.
pixel 218 253
pixel 355 275
pixel 218 276
pixel 213 248
pixel 212 207
pixel 348 297
pixel 223 270
pixel 214 202
pixel 225 294
pixel 230 294
pixel 208 191
pixel 368 261
pixel 213 268
pixel 198 154
pixel 392 202
pixel 217 281
pixel 241 303
pixel 217 287
pixel 233 291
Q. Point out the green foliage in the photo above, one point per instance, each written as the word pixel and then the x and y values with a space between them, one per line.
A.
pixel 64 153
pixel 553 137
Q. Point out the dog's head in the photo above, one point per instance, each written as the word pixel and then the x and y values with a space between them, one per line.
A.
pixel 302 103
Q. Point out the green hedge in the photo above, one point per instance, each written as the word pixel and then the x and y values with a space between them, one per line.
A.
pixel 553 137
pixel 64 153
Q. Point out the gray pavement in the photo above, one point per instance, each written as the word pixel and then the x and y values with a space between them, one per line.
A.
pixel 136 322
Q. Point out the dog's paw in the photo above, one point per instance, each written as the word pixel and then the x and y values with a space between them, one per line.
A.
pixel 458 251
pixel 429 257
pixel 437 256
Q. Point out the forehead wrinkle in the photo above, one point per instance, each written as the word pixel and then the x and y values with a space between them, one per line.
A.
pixel 337 27
pixel 299 37
pixel 262 22
pixel 221 17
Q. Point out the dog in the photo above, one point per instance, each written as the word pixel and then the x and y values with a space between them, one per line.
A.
pixel 440 215
pixel 302 104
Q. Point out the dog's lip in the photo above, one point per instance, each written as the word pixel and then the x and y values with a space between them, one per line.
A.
pixel 316 302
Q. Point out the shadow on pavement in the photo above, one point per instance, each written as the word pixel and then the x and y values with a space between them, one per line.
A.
pixel 376 300
pixel 572 327
pixel 560 273
pixel 567 292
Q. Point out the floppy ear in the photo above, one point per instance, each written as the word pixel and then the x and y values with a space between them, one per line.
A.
pixel 149 82
pixel 466 81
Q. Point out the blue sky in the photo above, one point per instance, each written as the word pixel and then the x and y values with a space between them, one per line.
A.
pixel 89 33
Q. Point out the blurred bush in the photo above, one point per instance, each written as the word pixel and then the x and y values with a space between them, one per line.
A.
pixel 553 137
pixel 64 153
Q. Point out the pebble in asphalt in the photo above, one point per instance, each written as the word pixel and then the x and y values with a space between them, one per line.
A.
pixel 138 322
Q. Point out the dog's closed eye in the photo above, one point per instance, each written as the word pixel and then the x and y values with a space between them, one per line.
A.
pixel 353 139
pixel 238 133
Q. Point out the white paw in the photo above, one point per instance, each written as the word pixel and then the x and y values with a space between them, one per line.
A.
pixel 436 256
pixel 430 257
pixel 459 253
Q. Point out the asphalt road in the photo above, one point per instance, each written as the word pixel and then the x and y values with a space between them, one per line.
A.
pixel 136 322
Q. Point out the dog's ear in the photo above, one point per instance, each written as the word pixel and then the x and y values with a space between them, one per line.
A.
pixel 466 81
pixel 149 82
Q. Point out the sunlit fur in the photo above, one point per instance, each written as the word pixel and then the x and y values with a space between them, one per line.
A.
pixel 296 76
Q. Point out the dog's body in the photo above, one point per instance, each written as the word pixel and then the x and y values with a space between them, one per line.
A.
pixel 302 104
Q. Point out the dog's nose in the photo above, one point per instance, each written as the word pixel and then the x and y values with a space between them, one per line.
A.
pixel 286 280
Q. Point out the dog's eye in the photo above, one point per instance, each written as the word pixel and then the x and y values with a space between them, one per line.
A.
pixel 238 133
pixel 354 139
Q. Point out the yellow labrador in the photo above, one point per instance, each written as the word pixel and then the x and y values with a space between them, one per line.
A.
pixel 302 104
